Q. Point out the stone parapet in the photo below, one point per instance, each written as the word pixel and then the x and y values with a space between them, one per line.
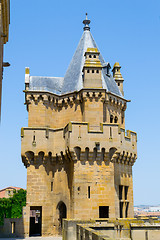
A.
pixel 117 229
pixel 109 141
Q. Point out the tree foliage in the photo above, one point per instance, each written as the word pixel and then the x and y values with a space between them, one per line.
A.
pixel 12 207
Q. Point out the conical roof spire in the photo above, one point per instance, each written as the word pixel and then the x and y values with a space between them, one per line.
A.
pixel 86 23
pixel 73 79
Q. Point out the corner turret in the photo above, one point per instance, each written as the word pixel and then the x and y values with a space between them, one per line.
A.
pixel 118 76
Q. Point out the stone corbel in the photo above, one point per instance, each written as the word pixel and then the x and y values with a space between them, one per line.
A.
pixel 115 157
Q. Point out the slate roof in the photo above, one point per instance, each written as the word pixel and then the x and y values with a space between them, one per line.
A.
pixel 72 80
pixel 49 84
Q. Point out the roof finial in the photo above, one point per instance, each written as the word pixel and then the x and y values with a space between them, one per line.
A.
pixel 86 22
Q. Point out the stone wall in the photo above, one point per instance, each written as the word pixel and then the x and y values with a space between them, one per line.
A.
pixel 12 227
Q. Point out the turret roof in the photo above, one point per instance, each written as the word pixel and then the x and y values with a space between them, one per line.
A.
pixel 73 79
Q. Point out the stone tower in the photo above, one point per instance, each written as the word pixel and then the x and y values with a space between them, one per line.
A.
pixel 77 153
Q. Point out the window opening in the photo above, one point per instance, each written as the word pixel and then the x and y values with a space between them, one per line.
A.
pixel 89 192
pixel 111 119
pixel 115 119
pixel 92 71
pixel 126 211
pixel 110 132
pixel 126 192
pixel 103 211
pixel 51 186
pixel 94 56
pixel 97 71
pixel 90 56
pixel 118 84
pixel 120 192
pixel 87 70
pixel 121 209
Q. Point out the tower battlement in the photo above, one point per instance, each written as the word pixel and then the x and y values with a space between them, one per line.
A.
pixel 55 143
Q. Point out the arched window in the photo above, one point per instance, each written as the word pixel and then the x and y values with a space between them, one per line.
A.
pixel 116 119
pixel 92 71
pixel 87 70
pixel 97 71
pixel 90 56
pixel 94 56
pixel 111 119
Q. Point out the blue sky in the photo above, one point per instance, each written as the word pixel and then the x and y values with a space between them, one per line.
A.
pixel 44 35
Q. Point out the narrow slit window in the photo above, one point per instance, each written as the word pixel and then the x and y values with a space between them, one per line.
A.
pixel 126 211
pixel 110 132
pixel 51 186
pixel 120 192
pixel 126 192
pixel 111 119
pixel 121 209
pixel 89 192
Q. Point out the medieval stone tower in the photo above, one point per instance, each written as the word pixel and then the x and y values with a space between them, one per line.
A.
pixel 77 153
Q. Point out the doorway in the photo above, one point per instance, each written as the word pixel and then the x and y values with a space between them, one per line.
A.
pixel 62 211
pixel 35 228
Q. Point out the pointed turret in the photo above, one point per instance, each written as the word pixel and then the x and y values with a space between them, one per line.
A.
pixel 73 79
pixel 118 76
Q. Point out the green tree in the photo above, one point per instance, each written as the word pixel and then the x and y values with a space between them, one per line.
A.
pixel 12 207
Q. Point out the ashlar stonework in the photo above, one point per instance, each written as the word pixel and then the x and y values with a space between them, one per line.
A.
pixel 78 155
